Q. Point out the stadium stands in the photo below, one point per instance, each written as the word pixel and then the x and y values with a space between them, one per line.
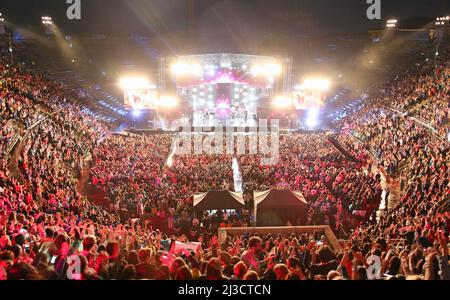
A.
pixel 48 139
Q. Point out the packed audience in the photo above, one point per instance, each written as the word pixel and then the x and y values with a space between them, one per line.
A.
pixel 334 187
pixel 149 230
pixel 142 176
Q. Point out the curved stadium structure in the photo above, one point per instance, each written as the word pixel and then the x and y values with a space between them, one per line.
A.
pixel 359 192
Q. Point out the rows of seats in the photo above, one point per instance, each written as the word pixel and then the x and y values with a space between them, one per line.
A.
pixel 44 219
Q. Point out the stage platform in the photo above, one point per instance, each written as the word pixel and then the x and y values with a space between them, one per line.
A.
pixel 234 130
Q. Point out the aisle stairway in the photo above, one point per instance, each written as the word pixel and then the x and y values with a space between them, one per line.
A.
pixel 341 149
pixel 388 200
pixel 237 176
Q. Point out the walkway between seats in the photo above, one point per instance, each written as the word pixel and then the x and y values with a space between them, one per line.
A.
pixel 237 176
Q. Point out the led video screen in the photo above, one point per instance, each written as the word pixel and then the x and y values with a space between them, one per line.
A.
pixel 140 98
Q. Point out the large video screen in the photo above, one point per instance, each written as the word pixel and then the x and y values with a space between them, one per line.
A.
pixel 307 99
pixel 140 98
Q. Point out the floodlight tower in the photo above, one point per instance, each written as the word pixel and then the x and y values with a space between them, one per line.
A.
pixel 442 21
pixel 391 23
pixel 2 24
pixel 47 22
pixel 440 27
pixel 7 36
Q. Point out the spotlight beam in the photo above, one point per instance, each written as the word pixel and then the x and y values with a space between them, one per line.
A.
pixel 134 83
pixel 167 101
pixel 282 102
pixel 316 84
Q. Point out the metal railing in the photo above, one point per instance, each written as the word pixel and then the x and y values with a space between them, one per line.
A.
pixel 420 121
pixel 19 137
pixel 323 229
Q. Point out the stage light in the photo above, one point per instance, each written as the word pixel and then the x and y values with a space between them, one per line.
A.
pixel 1 18
pixel 167 101
pixel 180 69
pixel 134 83
pixel 268 70
pixel 256 70
pixel 196 70
pixel 282 102
pixel 272 69
pixel 136 113
pixel 316 84
pixel 312 118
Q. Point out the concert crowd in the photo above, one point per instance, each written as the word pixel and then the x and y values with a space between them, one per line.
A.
pixel 136 221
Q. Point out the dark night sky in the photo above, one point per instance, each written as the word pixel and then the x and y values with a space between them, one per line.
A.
pixel 215 17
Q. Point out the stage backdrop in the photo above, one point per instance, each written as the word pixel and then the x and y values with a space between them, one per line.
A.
pixel 215 200
pixel 276 207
